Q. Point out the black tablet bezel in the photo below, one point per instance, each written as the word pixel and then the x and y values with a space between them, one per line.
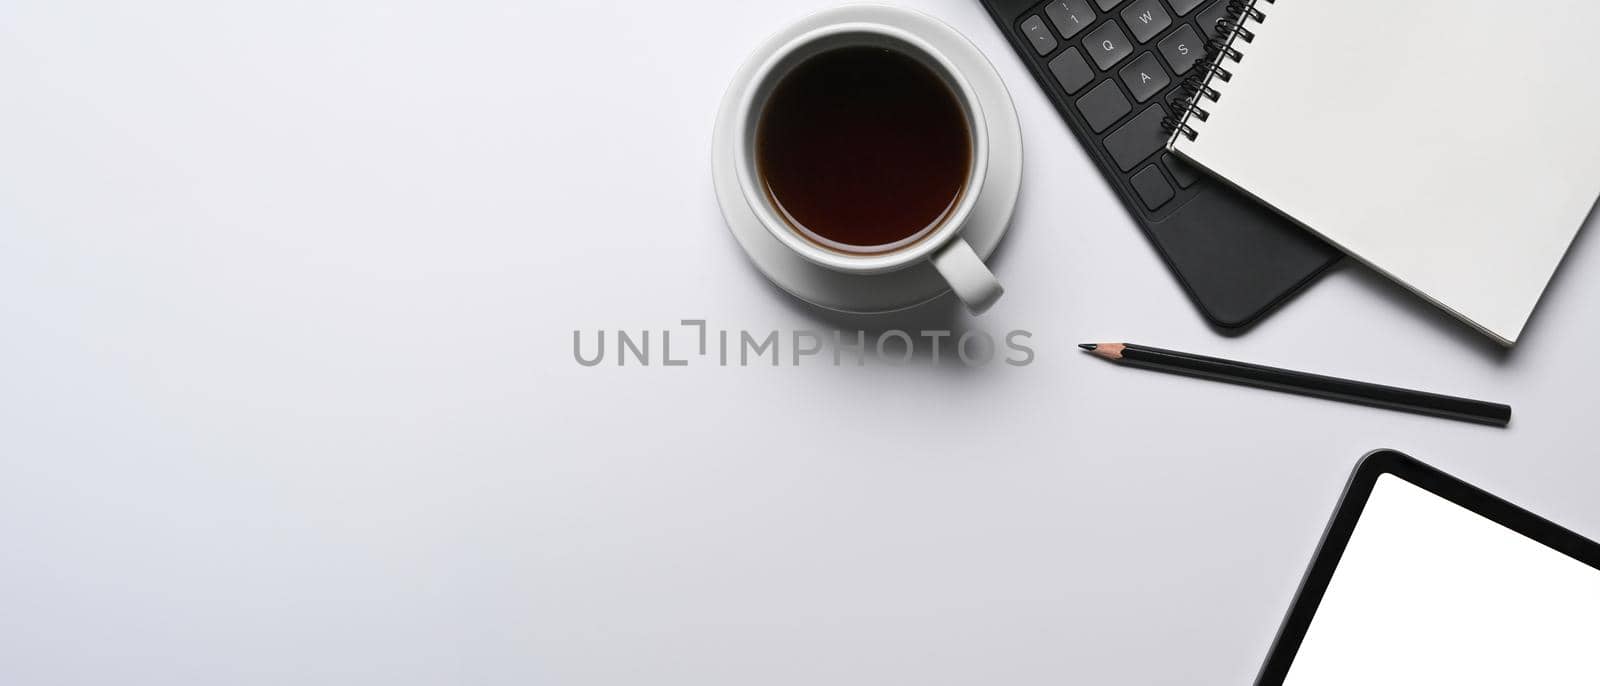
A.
pixel 1337 535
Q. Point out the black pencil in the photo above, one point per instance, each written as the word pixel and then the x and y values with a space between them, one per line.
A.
pixel 1332 388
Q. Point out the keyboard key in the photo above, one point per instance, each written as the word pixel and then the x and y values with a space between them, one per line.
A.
pixel 1144 77
pixel 1103 106
pixel 1152 188
pixel 1182 49
pixel 1069 16
pixel 1108 45
pixel 1072 71
pixel 1184 174
pixel 1137 139
pixel 1033 27
pixel 1209 17
pixel 1145 19
pixel 1183 7
pixel 1107 4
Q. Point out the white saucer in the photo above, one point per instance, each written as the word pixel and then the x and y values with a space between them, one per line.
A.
pixel 990 218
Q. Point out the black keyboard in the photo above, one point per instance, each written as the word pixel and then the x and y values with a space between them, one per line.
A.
pixel 1111 66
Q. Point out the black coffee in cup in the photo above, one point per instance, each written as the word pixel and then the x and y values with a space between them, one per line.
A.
pixel 863 149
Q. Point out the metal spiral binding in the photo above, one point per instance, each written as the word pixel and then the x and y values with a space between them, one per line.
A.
pixel 1186 103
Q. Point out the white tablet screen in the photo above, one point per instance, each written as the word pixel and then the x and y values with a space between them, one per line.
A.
pixel 1428 592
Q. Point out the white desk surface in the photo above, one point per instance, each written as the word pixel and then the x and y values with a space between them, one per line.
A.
pixel 287 392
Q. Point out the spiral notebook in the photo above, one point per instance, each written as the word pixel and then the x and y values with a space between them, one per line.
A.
pixel 1452 146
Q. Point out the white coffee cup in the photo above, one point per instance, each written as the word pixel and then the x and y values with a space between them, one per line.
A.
pixel 950 254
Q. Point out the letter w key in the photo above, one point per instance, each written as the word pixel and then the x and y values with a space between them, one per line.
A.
pixel 1145 19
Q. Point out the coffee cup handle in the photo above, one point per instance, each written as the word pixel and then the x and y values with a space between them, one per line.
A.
pixel 969 277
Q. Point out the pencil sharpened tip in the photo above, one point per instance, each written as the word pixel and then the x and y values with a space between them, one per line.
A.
pixel 1110 351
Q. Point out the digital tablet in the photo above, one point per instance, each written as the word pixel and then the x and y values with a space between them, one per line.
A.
pixel 1422 578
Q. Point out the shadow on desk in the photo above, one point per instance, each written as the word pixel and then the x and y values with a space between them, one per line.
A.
pixel 943 314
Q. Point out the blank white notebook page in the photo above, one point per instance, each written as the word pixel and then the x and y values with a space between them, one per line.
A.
pixel 1450 145
pixel 1428 592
